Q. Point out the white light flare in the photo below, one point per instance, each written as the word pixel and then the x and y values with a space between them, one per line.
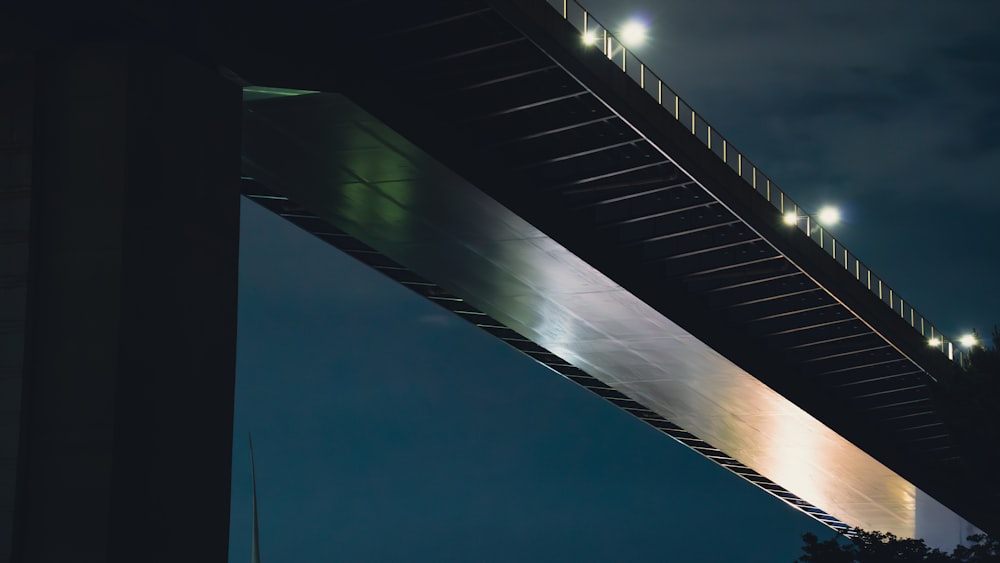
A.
pixel 829 216
pixel 633 33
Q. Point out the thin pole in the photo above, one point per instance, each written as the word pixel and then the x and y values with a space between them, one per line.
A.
pixel 255 539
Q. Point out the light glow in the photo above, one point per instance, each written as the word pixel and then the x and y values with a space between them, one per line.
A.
pixel 968 340
pixel 829 215
pixel 590 38
pixel 633 33
pixel 935 342
pixel 791 218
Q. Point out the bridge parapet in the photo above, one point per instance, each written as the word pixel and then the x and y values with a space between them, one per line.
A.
pixel 594 33
pixel 506 96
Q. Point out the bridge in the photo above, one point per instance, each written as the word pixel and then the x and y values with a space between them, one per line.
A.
pixel 509 160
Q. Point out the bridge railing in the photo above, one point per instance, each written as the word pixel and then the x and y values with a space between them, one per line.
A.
pixel 593 33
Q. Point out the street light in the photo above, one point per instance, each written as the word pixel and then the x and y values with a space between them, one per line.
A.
pixel 633 33
pixel 829 215
pixel 792 218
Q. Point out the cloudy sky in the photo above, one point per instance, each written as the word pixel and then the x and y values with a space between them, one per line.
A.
pixel 447 446
pixel 886 109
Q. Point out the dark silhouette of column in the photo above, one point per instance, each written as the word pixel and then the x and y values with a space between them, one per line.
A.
pixel 127 403
pixel 16 132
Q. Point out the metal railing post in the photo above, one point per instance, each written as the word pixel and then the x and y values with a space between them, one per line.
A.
pixel 608 50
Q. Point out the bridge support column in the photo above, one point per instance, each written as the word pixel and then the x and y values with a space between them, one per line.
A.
pixel 126 215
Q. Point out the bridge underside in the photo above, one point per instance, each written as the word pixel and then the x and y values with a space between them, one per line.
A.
pixel 372 193
pixel 629 249
pixel 506 96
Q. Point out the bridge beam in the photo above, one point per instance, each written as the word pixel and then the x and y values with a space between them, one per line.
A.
pixel 119 448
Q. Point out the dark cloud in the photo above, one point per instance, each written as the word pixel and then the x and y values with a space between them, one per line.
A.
pixel 884 107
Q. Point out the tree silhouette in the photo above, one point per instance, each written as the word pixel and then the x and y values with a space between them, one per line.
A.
pixel 969 400
pixel 881 547
pixel 983 548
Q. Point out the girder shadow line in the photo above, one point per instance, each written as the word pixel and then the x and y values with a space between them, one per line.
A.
pixel 428 25
pixel 523 107
pixel 676 234
pixel 611 174
pixel 578 154
pixel 773 297
pixel 846 354
pixel 505 78
pixel 661 259
pixel 829 340
pixel 877 379
pixel 466 53
pixel 660 184
pixel 553 131
pixel 652 216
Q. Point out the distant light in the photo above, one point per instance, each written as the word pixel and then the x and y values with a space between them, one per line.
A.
pixel 935 342
pixel 968 340
pixel 633 33
pixel 590 38
pixel 829 215
pixel 791 218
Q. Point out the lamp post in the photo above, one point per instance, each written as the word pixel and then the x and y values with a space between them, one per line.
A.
pixel 967 341
pixel 827 216
pixel 631 35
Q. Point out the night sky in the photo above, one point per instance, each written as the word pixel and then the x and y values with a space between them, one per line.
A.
pixel 889 110
pixel 387 430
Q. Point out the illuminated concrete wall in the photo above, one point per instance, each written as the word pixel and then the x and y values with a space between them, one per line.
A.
pixel 938 526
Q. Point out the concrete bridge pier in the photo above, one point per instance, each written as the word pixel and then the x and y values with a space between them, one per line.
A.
pixel 119 224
